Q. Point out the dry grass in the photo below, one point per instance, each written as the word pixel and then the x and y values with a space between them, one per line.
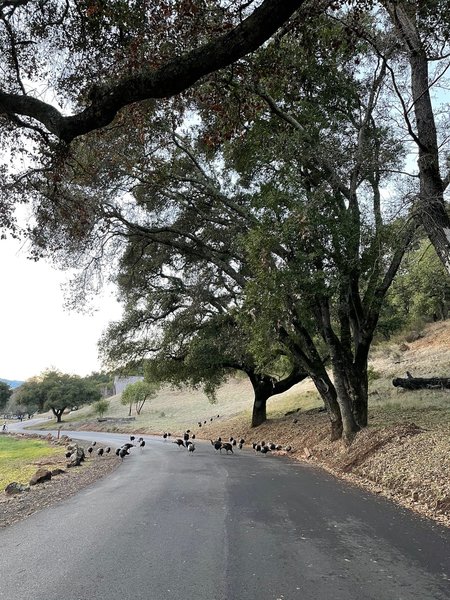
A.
pixel 404 453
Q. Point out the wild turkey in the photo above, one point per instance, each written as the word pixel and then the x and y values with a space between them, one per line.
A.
pixel 93 443
pixel 199 423
pixel 188 443
pixel 240 446
pixel 186 436
pixel 288 448
pixel 123 452
pixel 265 449
pixel 272 446
pixel 228 447
pixel 179 443
pixel 262 444
pixel 100 452
pixel 90 450
pixel 217 445
pixel 258 448
pixel 165 436
pixel 193 436
pixel 132 438
pixel 107 450
pixel 128 445
pixel 142 444
pixel 242 441
pixel 279 447
pixel 141 439
pixel 231 439
pixel 117 451
pixel 234 442
pixel 191 447
pixel 254 445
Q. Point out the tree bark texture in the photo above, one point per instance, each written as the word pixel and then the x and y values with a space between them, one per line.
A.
pixel 264 387
pixel 430 207
pixel 420 383
pixel 327 392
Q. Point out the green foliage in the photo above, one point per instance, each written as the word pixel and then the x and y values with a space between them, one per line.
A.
pixel 420 292
pixel 372 374
pixel 5 393
pixel 57 391
pixel 103 381
pixel 100 407
pixel 138 393
pixel 18 458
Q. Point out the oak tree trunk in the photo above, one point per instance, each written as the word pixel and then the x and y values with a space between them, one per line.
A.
pixel 430 207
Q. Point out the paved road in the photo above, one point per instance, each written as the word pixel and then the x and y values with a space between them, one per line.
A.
pixel 206 526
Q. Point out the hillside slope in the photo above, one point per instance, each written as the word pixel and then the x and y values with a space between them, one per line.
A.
pixel 404 453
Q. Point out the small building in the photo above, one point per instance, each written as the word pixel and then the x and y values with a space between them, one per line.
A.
pixel 120 383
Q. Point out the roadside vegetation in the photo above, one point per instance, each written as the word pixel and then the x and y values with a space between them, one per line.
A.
pixel 19 458
pixel 402 453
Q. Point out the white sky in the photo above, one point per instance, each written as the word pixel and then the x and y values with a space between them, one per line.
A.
pixel 36 332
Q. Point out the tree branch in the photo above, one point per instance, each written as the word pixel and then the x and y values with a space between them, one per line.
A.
pixel 172 78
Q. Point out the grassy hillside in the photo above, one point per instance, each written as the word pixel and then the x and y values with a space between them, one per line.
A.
pixel 403 453
pixel 176 410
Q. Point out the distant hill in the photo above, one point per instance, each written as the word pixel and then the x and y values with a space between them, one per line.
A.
pixel 12 383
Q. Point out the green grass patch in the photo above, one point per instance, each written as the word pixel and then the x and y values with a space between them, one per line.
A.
pixel 18 458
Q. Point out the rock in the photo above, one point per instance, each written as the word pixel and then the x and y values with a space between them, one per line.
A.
pixel 77 456
pixel 413 336
pixel 40 476
pixel 403 347
pixel 443 505
pixel 307 452
pixel 415 496
pixel 57 472
pixel 15 488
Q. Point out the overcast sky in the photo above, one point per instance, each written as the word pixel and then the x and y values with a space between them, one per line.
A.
pixel 36 332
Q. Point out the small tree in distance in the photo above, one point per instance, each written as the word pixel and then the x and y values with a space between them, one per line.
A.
pixel 100 407
pixel 57 391
pixel 138 393
pixel 5 394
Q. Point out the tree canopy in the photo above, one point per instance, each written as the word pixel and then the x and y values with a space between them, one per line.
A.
pixel 260 216
pixel 92 60
pixel 5 393
pixel 269 227
pixel 137 394
pixel 113 55
pixel 57 391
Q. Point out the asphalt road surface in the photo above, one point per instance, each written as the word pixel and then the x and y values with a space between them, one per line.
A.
pixel 208 526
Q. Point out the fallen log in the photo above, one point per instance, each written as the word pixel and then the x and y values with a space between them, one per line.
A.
pixel 421 383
